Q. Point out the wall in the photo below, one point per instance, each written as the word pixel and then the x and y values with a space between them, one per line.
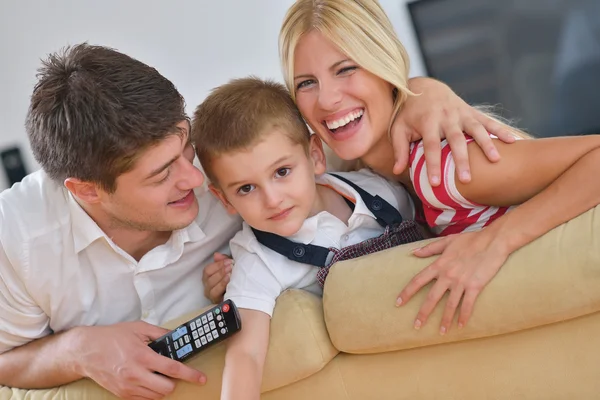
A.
pixel 196 44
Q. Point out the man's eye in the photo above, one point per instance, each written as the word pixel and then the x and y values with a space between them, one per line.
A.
pixel 166 177
pixel 245 189
pixel 281 172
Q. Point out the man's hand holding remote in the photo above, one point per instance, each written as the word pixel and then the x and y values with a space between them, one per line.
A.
pixel 118 358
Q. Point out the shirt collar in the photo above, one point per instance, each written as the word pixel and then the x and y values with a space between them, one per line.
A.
pixel 306 234
pixel 84 228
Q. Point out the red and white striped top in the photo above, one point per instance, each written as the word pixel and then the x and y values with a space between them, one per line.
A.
pixel 446 210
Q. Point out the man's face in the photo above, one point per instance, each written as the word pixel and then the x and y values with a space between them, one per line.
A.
pixel 157 194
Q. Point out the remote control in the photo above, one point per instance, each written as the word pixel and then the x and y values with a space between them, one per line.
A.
pixel 190 338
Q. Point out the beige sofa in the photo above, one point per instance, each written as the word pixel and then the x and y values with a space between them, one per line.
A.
pixel 535 333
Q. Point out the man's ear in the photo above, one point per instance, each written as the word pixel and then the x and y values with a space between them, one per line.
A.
pixel 218 193
pixel 316 153
pixel 87 192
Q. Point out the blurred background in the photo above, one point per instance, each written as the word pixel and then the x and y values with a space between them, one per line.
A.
pixel 538 61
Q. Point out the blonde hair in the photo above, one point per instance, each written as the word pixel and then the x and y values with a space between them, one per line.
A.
pixel 237 115
pixel 360 29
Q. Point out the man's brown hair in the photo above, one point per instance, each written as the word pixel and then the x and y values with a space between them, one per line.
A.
pixel 94 110
pixel 237 115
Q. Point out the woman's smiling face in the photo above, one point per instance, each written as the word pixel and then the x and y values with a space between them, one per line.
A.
pixel 347 106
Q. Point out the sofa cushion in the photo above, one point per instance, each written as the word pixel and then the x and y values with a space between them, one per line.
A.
pixel 554 278
pixel 299 347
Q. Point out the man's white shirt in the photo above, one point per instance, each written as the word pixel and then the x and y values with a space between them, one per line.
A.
pixel 59 270
pixel 261 274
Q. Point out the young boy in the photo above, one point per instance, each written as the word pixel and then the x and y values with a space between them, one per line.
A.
pixel 263 163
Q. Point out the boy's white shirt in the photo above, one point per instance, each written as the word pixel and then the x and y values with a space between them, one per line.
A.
pixel 260 274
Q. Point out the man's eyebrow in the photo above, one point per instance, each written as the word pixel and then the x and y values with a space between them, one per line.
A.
pixel 185 139
pixel 333 66
pixel 278 161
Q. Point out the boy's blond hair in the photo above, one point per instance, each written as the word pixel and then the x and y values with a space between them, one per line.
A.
pixel 238 114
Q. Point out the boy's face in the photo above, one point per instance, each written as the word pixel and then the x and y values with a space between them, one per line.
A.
pixel 272 184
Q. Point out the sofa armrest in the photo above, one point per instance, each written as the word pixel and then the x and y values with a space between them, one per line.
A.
pixel 555 278
pixel 299 347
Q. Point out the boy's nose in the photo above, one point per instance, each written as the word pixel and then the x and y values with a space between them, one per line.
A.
pixel 272 198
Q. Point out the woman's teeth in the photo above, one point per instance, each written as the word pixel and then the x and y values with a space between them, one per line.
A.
pixel 344 120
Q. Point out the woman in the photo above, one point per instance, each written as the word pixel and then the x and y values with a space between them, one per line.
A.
pixel 348 73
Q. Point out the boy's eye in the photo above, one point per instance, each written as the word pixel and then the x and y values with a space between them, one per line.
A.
pixel 305 84
pixel 281 172
pixel 246 189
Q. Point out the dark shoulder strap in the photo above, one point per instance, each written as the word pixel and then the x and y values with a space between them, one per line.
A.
pixel 302 253
pixel 385 213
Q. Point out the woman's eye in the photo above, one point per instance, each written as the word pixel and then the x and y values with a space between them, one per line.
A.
pixel 347 69
pixel 246 189
pixel 304 84
pixel 281 172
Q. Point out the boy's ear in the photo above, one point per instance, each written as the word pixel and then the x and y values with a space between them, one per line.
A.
pixel 315 150
pixel 87 192
pixel 218 193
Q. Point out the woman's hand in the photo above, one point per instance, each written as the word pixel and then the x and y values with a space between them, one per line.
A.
pixel 467 262
pixel 437 113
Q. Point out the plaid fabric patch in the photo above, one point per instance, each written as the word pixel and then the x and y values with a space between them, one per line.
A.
pixel 402 233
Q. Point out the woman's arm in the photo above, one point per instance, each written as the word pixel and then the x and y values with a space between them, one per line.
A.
pixel 245 357
pixel 437 113
pixel 556 181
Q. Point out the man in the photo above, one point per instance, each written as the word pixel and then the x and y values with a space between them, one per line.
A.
pixel 116 233
pixel 109 231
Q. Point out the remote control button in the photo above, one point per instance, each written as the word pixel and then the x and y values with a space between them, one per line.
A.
pixel 198 322
pixel 195 334
pixel 219 317
pixel 180 342
pixel 168 340
pixel 193 325
pixel 212 325
pixel 217 311
pixel 221 324
pixel 197 343
pixel 225 307
pixel 203 340
pixel 206 330
pixel 209 337
pixel 200 331
pixel 215 334
pixel 210 317
pixel 204 320
pixel 176 345
pixel 187 338
pixel 223 330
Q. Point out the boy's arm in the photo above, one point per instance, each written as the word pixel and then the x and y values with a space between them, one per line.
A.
pixel 245 357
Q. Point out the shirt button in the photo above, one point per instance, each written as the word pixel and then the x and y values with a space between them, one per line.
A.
pixel 346 237
pixel 145 314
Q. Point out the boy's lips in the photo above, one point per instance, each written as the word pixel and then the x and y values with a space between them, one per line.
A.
pixel 281 215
